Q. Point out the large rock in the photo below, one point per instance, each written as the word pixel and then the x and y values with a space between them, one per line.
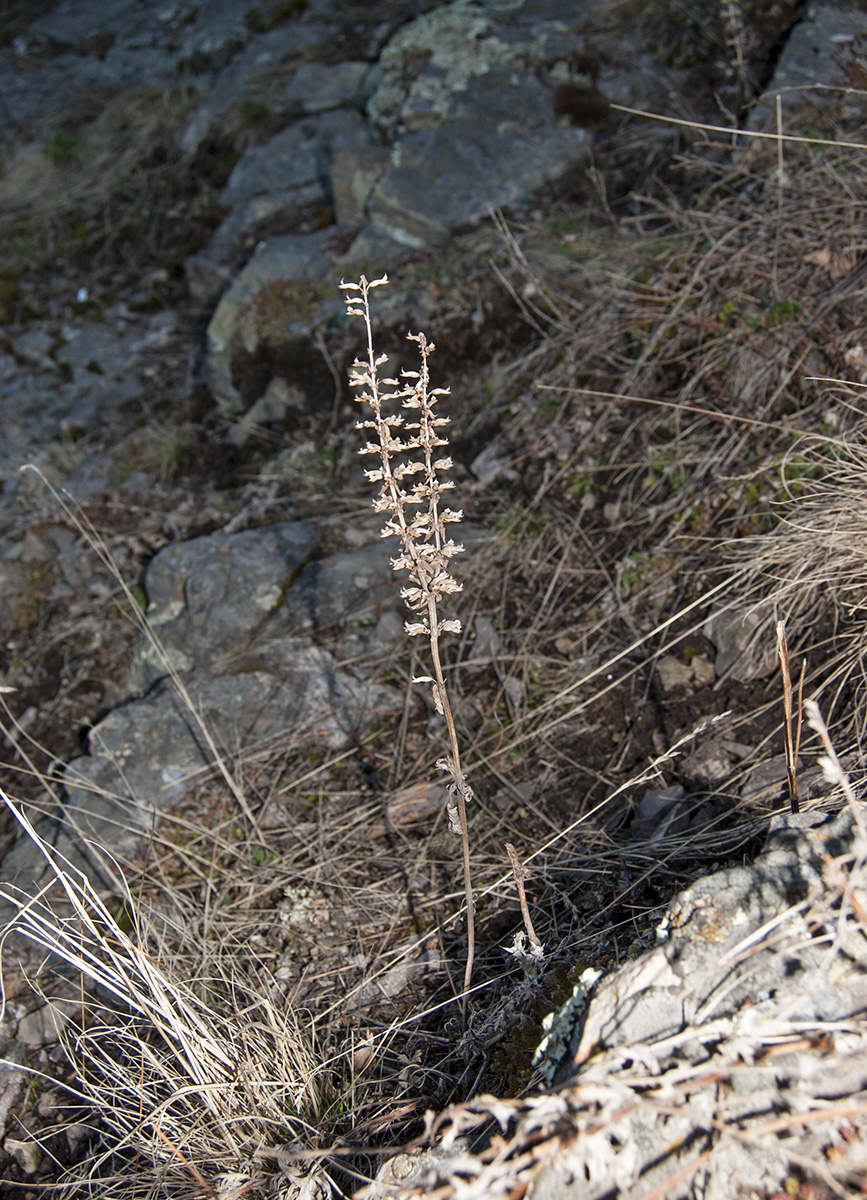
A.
pixel 146 754
pixel 216 599
pixel 813 57
pixel 707 1067
pixel 500 145
pixel 281 187
pixel 208 597
pixel 238 79
pixel 316 87
pixel 271 309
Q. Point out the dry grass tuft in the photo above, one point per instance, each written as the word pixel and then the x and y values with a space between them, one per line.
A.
pixel 811 570
pixel 194 1080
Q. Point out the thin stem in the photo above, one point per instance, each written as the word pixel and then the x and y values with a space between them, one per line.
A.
pixel 460 784
pixel 791 752
pixel 520 873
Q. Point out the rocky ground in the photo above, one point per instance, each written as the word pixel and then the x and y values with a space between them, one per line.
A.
pixel 207 704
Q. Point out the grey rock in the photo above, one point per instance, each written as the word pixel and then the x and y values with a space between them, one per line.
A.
pixel 811 57
pixel 316 87
pixel 77 1138
pixel 44 1025
pixel 355 172
pixel 28 1154
pixel 210 270
pixel 35 346
pixel 147 753
pixel 698 973
pixel 766 782
pixel 710 762
pixel 100 350
pixel 703 670
pixel 279 400
pixel 672 673
pixel 208 597
pixel 659 813
pixel 234 82
pixel 372 251
pixel 282 187
pixel 12 1083
pixel 278 298
pixel 486 646
pixel 95 407
pixel 389 629
pixel 742 653
pixel 434 56
pixel 468 101
pixel 501 144
pixel 294 157
pixel 699 1061
pixel 127 43
pixel 342 587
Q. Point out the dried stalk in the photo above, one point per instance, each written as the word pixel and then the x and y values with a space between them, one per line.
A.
pixel 832 768
pixel 425 546
pixel 520 873
pixel 792 732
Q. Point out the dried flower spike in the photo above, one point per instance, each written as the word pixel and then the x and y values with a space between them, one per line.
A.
pixel 408 445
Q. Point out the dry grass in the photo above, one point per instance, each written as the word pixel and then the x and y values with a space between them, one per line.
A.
pixel 107 190
pixel 171 1066
pixel 812 571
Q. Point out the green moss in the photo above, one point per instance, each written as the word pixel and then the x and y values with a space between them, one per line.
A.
pixel 253 113
pixel 62 147
pixel 262 18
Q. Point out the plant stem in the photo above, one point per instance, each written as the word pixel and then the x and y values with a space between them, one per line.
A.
pixel 460 785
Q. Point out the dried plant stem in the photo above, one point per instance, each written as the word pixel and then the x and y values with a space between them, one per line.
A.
pixel 832 768
pixel 792 731
pixel 460 798
pixel 405 448
pixel 520 874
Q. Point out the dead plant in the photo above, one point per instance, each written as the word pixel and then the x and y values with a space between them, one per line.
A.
pixel 426 547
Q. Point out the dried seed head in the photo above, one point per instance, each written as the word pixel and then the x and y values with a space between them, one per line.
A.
pixel 425 550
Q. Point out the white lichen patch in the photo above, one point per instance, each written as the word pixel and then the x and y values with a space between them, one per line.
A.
pixel 268 596
pixel 561 1025
pixel 455 42
pixel 161 614
pixel 304 908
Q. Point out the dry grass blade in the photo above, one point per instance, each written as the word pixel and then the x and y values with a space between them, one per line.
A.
pixel 833 768
pixel 812 568
pixel 519 872
pixel 793 737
